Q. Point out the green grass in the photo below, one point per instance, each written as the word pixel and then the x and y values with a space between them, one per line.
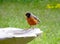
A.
pixel 12 14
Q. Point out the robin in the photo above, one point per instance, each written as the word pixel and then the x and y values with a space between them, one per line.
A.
pixel 31 19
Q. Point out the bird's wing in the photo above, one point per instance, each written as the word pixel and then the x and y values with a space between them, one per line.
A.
pixel 36 18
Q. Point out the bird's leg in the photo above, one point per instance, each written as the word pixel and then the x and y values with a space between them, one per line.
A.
pixel 31 26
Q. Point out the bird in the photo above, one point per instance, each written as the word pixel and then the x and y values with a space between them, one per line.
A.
pixel 32 19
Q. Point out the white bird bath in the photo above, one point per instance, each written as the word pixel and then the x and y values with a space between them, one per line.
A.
pixel 17 35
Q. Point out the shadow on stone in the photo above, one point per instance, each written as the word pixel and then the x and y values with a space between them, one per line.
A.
pixel 16 40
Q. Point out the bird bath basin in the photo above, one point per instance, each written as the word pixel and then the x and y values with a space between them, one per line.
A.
pixel 18 36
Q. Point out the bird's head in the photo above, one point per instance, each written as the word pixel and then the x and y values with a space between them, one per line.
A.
pixel 28 14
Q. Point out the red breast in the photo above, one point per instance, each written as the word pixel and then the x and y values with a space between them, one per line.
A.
pixel 32 21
